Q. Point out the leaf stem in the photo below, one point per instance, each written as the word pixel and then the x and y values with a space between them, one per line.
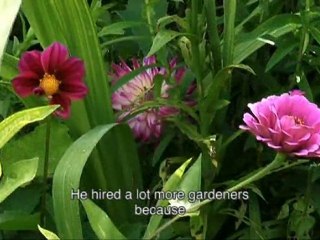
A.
pixel 45 172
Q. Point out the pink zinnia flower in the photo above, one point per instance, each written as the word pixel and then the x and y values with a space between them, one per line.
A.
pixel 149 124
pixel 288 123
pixel 51 73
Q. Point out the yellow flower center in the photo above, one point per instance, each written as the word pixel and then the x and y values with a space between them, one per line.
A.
pixel 298 121
pixel 49 84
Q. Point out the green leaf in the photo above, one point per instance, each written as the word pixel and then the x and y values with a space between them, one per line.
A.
pixel 282 51
pixel 161 39
pixel 191 182
pixel 162 22
pixel 11 125
pixel 190 130
pixel 8 69
pixel 67 179
pixel 32 145
pixel 255 217
pixel 48 234
pixel 315 32
pixel 118 28
pixel 8 12
pixel 212 102
pixel 165 141
pixel 230 8
pixel 18 221
pixel 275 27
pixel 171 185
pixel 16 175
pixel 304 85
pixel 100 222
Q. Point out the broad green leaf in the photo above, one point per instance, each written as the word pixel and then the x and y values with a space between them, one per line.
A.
pixel 144 11
pixel 171 185
pixel 67 178
pixel 44 20
pixel 190 184
pixel 8 68
pixel 11 125
pixel 48 234
pixel 134 13
pixel 100 222
pixel 18 221
pixel 16 175
pixel 117 28
pixel 32 145
pixel 30 194
pixel 275 27
pixel 8 12
pixel 161 39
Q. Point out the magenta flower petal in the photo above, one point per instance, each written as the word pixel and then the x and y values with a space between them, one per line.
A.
pixel 53 57
pixel 51 73
pixel 31 62
pixel 288 123
pixel 25 83
pixel 71 70
pixel 76 90
pixel 65 102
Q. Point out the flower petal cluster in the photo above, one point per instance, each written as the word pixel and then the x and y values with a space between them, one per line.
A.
pixel 288 123
pixel 148 124
pixel 51 73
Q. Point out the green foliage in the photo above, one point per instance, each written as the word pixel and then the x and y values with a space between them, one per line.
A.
pixel 16 175
pixel 32 145
pixel 100 222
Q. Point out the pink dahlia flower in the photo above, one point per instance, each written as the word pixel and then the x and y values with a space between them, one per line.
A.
pixel 149 124
pixel 288 123
pixel 51 73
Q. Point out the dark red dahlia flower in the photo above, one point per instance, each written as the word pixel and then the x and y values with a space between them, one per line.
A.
pixel 51 73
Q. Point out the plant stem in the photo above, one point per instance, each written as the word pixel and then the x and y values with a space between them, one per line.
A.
pixel 45 172
pixel 307 194
pixel 276 163
pixel 196 61
pixel 230 7
pixel 210 7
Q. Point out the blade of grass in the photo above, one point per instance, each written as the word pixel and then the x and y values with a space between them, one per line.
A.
pixel 230 7
pixel 210 7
